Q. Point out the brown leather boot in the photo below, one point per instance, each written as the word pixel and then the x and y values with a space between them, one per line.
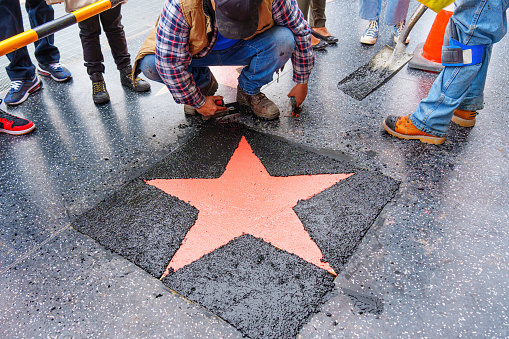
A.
pixel 464 118
pixel 208 90
pixel 261 106
pixel 403 128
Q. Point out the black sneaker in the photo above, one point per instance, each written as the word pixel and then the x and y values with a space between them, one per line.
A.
pixel 126 79
pixel 21 89
pixel 207 90
pixel 11 124
pixel 99 92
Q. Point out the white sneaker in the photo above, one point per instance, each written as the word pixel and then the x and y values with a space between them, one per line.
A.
pixel 398 29
pixel 371 34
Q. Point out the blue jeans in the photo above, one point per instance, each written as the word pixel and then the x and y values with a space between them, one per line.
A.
pixel 478 22
pixel 262 55
pixel 395 12
pixel 11 23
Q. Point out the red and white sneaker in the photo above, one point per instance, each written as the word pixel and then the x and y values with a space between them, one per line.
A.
pixel 11 124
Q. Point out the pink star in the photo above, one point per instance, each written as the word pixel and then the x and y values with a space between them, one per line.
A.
pixel 247 200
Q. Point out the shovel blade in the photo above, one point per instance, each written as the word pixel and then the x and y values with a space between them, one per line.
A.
pixel 369 77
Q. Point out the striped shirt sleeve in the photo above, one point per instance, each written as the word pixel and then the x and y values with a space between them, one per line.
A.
pixel 173 56
pixel 287 13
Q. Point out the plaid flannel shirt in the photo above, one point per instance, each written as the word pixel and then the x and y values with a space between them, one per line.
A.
pixel 173 56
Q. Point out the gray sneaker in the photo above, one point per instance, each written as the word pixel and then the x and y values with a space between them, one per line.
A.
pixel 207 90
pixel 261 106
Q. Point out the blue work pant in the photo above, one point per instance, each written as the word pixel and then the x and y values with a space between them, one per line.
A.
pixel 478 22
pixel 395 12
pixel 262 55
pixel 11 23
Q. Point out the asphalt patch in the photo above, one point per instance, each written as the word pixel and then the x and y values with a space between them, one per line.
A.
pixel 263 291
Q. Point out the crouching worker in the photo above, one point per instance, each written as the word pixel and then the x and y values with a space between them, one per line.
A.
pixel 261 35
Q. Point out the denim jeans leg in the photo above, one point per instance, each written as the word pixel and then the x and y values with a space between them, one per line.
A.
pixel 396 11
pixel 264 55
pixel 39 13
pixel 370 9
pixel 20 66
pixel 478 22
pixel 148 67
pixel 474 99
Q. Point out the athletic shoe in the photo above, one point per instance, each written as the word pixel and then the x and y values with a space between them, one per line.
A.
pixel 464 118
pixel 99 92
pixel 11 124
pixel 371 34
pixel 398 30
pixel 21 89
pixel 126 79
pixel 402 127
pixel 260 105
pixel 56 71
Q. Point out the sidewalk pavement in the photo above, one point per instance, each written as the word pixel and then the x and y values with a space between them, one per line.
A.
pixel 433 264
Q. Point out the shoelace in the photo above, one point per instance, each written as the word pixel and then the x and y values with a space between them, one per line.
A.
pixel 98 86
pixel 372 30
pixel 16 84
pixel 56 66
pixel 398 28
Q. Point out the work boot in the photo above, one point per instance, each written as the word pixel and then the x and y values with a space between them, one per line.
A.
pixel 402 127
pixel 464 118
pixel 208 90
pixel 261 106
pixel 99 93
pixel 126 79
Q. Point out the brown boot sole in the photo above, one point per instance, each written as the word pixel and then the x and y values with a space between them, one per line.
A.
pixel 423 138
pixel 463 122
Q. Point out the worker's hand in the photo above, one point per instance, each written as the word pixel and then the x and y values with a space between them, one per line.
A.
pixel 210 107
pixel 299 92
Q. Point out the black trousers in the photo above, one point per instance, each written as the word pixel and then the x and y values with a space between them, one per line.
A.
pixel 90 30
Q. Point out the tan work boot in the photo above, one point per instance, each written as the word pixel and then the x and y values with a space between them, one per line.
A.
pixel 208 90
pixel 261 106
pixel 464 118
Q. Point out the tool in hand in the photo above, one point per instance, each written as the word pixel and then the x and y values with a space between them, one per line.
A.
pixel 295 109
pixel 231 108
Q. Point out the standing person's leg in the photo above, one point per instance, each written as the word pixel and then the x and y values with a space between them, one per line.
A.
pixel 21 71
pixel 395 15
pixel 370 10
pixel 317 43
pixel 317 22
pixel 478 22
pixel 304 7
pixel 39 13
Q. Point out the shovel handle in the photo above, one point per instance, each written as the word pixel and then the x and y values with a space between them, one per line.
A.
pixel 21 40
pixel 411 23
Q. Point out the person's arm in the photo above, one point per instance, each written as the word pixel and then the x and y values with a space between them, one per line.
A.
pixel 173 56
pixel 286 13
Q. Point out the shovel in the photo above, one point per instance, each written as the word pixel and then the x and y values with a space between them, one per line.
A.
pixel 383 66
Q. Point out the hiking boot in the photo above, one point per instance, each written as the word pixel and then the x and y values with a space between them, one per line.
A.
pixel 464 118
pixel 403 128
pixel 126 79
pixel 398 29
pixel 55 70
pixel 99 92
pixel 371 34
pixel 11 124
pixel 261 106
pixel 21 89
pixel 207 90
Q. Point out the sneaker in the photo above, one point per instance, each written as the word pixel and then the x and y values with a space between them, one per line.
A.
pixel 398 29
pixel 11 124
pixel 99 92
pixel 56 71
pixel 403 128
pixel 21 89
pixel 261 106
pixel 207 90
pixel 138 85
pixel 464 118
pixel 371 34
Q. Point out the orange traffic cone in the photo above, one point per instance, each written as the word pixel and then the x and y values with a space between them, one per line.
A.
pixel 428 55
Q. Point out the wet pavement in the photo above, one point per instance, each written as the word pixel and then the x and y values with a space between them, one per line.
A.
pixel 418 240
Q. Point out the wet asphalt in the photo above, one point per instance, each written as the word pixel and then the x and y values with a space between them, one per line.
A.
pixel 430 223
